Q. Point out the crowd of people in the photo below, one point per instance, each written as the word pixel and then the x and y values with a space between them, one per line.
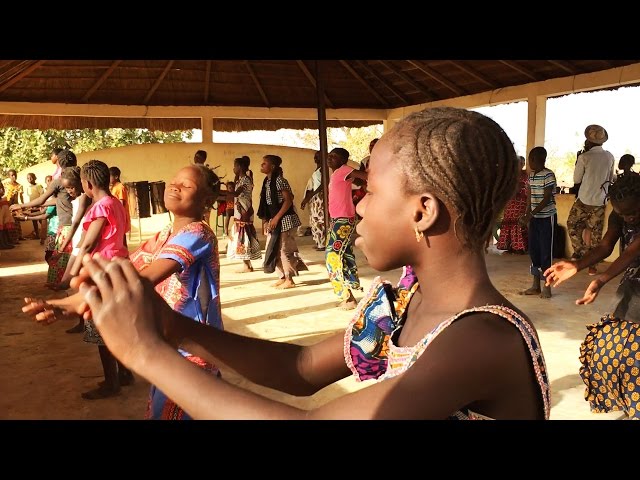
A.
pixel 156 311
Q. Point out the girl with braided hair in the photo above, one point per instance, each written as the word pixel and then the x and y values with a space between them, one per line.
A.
pixel 279 219
pixel 182 262
pixel 64 210
pixel 244 244
pixel 610 354
pixel 449 346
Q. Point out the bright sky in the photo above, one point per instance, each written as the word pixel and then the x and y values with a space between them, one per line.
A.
pixel 618 111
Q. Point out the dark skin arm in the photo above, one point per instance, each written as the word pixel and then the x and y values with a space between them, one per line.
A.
pixel 308 195
pixel 26 218
pixel 88 242
pixel 287 198
pixel 477 374
pixel 35 203
pixel 49 311
pixel 359 174
pixel 548 195
pixel 85 202
pixel 563 270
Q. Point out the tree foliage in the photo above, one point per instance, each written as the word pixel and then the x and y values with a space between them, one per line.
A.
pixel 20 149
pixel 355 140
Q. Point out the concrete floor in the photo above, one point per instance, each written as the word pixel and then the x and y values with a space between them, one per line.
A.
pixel 42 369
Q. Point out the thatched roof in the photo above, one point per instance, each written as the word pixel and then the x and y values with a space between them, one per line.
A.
pixel 370 84
pixel 42 122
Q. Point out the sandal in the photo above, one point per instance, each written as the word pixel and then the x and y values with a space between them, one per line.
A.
pixel 100 392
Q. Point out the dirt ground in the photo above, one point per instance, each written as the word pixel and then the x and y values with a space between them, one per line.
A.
pixel 43 370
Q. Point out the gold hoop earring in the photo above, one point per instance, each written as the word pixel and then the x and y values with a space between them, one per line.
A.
pixel 419 234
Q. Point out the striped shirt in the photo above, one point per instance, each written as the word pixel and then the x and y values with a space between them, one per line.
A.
pixel 545 178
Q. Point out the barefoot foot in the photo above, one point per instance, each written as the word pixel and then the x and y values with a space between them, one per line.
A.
pixel 278 283
pixel 288 283
pixel 348 305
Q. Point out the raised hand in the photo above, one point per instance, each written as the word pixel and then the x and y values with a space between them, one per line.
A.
pixel 590 293
pixel 559 272
pixel 48 312
pixel 125 308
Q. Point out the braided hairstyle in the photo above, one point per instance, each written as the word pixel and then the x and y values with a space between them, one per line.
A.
pixel 97 173
pixel 462 157
pixel 66 158
pixel 210 180
pixel 276 161
pixel 72 175
pixel 624 188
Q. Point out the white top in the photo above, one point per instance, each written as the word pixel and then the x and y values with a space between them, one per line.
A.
pixel 593 168
pixel 75 240
pixel 315 181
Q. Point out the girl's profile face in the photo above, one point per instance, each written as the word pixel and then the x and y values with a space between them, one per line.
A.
pixel 386 229
pixel 266 167
pixel 73 189
pixel 186 194
pixel 628 209
pixel 236 168
pixel 12 176
pixel 87 187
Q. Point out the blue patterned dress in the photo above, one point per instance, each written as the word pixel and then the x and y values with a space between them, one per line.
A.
pixel 194 291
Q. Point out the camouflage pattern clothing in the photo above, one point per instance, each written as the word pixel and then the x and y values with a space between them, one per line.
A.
pixel 584 216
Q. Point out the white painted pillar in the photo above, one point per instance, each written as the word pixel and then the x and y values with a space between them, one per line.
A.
pixel 207 129
pixel 536 119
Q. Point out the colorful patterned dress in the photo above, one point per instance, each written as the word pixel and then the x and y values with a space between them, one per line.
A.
pixel 244 244
pixel 12 193
pixel 610 353
pixel 513 236
pixel 194 292
pixel 109 245
pixel 370 353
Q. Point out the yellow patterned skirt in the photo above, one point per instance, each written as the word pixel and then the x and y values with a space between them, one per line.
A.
pixel 610 357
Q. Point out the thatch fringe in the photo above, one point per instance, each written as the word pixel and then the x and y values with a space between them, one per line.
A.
pixel 45 122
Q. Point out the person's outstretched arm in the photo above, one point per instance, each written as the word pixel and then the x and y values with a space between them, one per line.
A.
pixel 38 201
pixel 286 367
pixel 136 340
pixel 565 269
pixel 126 309
pixel 629 254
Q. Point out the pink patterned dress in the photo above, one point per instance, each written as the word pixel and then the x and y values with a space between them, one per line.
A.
pixel 513 236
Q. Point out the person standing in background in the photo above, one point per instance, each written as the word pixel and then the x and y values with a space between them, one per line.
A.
pixel 513 236
pixel 119 191
pixel 594 168
pixel 313 196
pixel 33 192
pixel 541 217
